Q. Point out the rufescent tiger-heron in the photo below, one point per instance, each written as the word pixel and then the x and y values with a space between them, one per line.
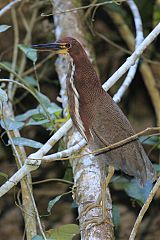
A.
pixel 98 118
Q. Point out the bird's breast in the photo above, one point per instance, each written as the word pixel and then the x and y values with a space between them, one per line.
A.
pixel 83 90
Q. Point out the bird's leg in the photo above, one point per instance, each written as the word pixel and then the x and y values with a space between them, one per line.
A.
pixel 104 185
pixel 101 202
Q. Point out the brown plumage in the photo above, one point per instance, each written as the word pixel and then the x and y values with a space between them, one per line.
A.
pixel 103 120
pixel 98 117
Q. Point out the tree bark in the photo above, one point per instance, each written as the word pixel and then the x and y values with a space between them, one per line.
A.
pixel 87 171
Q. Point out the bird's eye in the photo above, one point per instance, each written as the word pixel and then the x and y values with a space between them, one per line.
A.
pixel 67 45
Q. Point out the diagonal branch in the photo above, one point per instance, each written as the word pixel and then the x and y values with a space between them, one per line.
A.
pixel 8 7
pixel 139 39
pixel 131 60
pixel 144 209
pixel 152 131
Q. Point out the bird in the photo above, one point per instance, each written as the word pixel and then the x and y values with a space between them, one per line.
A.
pixel 96 116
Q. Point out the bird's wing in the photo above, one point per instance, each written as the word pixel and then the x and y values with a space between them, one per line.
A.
pixel 112 126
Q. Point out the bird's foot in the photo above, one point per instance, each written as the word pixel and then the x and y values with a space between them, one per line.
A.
pixel 95 220
pixel 99 208
pixel 89 207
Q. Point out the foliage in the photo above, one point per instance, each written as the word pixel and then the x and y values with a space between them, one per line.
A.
pixel 65 232
pixel 27 84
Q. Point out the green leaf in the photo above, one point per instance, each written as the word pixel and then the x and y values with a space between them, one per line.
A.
pixel 74 205
pixel 54 108
pixel 53 202
pixel 20 141
pixel 3 96
pixel 3 177
pixel 64 232
pixel 116 215
pixel 133 188
pixel 115 8
pixel 37 116
pixel 156 13
pixel 37 237
pixel 47 105
pixel 29 52
pixel 30 81
pixel 9 124
pixel 149 140
pixel 43 99
pixel 157 167
pixel 4 28
pixel 8 65
pixel 68 174
pixel 119 182
pixel 32 122
pixel 28 114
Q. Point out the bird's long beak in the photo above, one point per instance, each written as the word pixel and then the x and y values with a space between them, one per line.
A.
pixel 59 48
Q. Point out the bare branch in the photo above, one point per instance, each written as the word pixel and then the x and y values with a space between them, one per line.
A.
pixel 8 6
pixel 62 155
pixel 132 59
pixel 84 7
pixel 65 153
pixel 31 165
pixel 139 38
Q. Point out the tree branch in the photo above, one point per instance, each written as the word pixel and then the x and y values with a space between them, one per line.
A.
pixel 139 38
pixel 131 60
pixel 62 155
pixel 34 164
pixel 8 7
pixel 67 126
pixel 145 69
pixel 88 170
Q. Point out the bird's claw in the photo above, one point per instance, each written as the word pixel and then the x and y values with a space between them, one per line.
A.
pixel 95 220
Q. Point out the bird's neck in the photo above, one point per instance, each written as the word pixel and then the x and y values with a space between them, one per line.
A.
pixel 85 76
pixel 84 89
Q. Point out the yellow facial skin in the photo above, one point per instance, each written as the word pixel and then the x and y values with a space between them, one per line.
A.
pixel 62 51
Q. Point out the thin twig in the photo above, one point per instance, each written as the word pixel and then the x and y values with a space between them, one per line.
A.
pixel 106 39
pixel 15 51
pixel 53 180
pixel 148 131
pixel 131 60
pixel 27 40
pixel 26 183
pixel 36 212
pixel 144 209
pixel 83 7
pixel 38 65
pixel 145 69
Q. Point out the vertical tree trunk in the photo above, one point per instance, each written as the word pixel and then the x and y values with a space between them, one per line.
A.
pixel 89 170
pixel 27 204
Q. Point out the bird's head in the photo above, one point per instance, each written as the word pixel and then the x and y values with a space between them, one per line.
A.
pixel 63 46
